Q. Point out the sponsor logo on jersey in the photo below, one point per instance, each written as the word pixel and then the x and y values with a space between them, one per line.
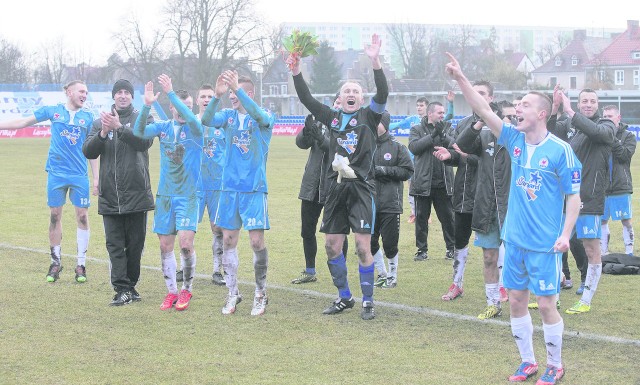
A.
pixel 387 156
pixel 350 143
pixel 210 148
pixel 242 142
pixel 73 135
pixel 530 186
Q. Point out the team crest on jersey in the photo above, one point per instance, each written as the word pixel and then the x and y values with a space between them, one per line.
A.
pixel 575 176
pixel 217 132
pixel 210 148
pixel 81 122
pixel 163 135
pixel 183 135
pixel 230 120
pixel 353 122
pixel 350 143
pixel 387 156
pixel 73 135
pixel 56 116
pixel 530 186
pixel 517 151
pixel 242 142
pixel 334 122
pixel 543 163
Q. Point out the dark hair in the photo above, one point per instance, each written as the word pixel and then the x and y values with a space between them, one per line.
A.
pixel 587 90
pixel 432 106
pixel 422 99
pixel 205 86
pixel 611 107
pixel 244 79
pixel 183 94
pixel 484 83
pixel 505 104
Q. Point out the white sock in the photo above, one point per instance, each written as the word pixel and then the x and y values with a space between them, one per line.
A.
pixel 500 263
pixel 169 265
pixel 492 291
pixel 522 330
pixel 604 238
pixel 412 204
pixel 459 263
pixel 55 255
pixel 230 263
pixel 216 247
pixel 627 236
pixel 378 260
pixel 83 245
pixel 189 270
pixel 553 340
pixel 591 283
pixel 393 266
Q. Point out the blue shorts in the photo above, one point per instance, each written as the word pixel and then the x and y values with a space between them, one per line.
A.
pixel 78 187
pixel 491 239
pixel 588 226
pixel 240 209
pixel 617 207
pixel 209 199
pixel 174 214
pixel 533 270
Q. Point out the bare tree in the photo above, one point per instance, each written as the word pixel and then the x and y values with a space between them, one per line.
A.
pixel 406 38
pixel 142 56
pixel 183 33
pixel 53 54
pixel 13 66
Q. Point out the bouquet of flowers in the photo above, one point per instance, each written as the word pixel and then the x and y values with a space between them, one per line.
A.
pixel 299 45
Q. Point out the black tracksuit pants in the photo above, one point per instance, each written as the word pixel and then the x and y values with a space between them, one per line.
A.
pixel 125 235
pixel 444 210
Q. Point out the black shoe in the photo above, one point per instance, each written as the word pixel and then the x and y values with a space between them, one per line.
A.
pixel 367 312
pixel 179 276
pixel 339 305
pixel 54 272
pixel 218 279
pixel 449 255
pixel 135 296
pixel 122 298
pixel 420 256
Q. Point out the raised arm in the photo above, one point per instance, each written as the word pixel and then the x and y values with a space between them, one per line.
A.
pixel 210 117
pixel 184 111
pixel 477 103
pixel 382 88
pixel 450 112
pixel 253 109
pixel 140 128
pixel 601 132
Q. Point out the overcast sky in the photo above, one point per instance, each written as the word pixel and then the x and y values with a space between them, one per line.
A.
pixel 87 26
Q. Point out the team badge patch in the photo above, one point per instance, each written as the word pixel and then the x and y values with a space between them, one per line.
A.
pixel 230 120
pixel 517 151
pixel 353 122
pixel 334 122
pixel 387 156
pixel 56 116
pixel 163 135
pixel 575 176
pixel 543 163
pixel 183 135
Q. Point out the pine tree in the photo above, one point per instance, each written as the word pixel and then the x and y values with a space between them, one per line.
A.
pixel 326 72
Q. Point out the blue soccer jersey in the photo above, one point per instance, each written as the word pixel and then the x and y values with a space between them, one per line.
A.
pixel 213 158
pixel 68 132
pixel 180 149
pixel 247 143
pixel 541 176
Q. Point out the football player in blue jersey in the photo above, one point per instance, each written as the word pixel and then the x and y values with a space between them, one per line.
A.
pixel 176 199
pixel 243 197
pixel 349 205
pixel 546 176
pixel 67 170
pixel 212 164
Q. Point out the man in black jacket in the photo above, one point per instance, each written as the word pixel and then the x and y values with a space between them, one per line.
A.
pixel 591 139
pixel 617 204
pixel 125 190
pixel 393 166
pixel 432 181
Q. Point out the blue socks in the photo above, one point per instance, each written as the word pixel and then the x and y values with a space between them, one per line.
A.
pixel 338 270
pixel 366 282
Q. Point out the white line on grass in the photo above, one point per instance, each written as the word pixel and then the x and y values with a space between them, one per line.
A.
pixel 391 305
